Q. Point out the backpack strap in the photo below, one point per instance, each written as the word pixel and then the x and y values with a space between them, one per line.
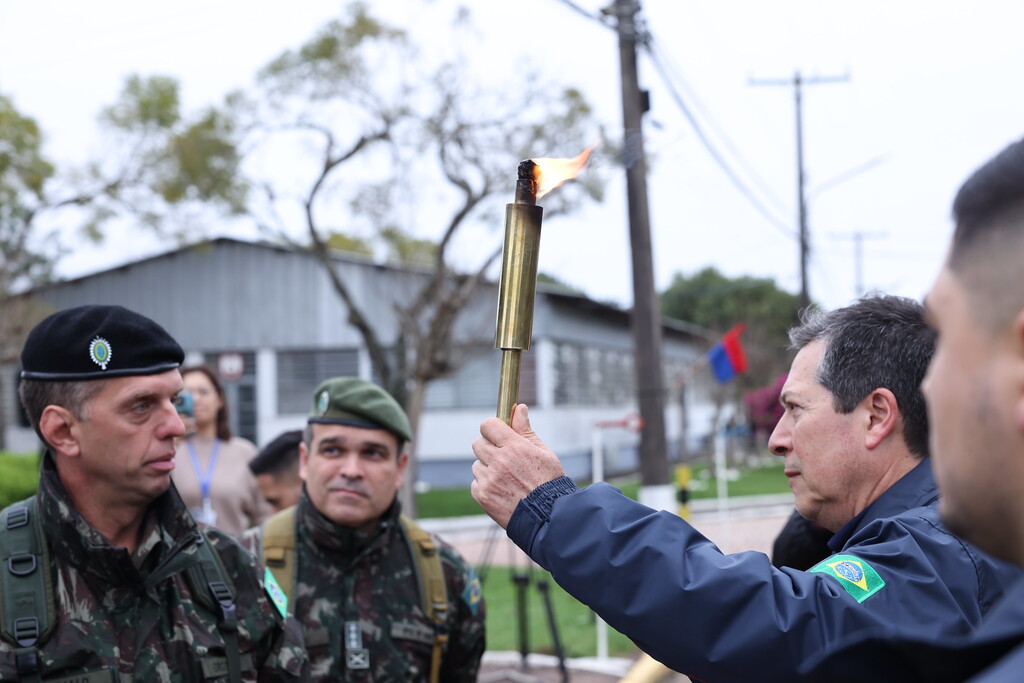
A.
pixel 28 613
pixel 277 551
pixel 433 590
pixel 211 587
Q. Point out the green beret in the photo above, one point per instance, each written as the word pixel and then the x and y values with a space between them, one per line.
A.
pixel 356 402
pixel 97 342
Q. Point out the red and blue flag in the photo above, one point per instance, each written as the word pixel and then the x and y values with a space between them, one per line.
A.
pixel 727 357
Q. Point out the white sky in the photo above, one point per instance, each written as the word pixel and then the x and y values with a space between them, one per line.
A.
pixel 934 90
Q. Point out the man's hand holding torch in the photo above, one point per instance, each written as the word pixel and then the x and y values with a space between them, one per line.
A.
pixel 511 462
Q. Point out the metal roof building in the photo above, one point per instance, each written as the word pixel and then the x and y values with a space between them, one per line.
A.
pixel 269 320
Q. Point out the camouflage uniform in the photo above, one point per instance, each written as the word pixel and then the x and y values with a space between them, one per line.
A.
pixel 135 613
pixel 343 575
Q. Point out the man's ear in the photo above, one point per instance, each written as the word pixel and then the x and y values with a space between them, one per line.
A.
pixel 303 460
pixel 57 425
pixel 883 414
pixel 403 463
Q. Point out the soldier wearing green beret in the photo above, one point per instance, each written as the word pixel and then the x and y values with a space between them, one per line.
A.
pixel 379 599
pixel 106 576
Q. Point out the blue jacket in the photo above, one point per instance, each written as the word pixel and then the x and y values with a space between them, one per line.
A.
pixel 717 617
pixel 992 653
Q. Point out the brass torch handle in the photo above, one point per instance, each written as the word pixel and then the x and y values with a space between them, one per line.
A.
pixel 508 384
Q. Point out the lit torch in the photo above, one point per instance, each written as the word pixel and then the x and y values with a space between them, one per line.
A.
pixel 518 283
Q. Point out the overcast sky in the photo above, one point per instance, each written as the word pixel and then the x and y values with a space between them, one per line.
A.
pixel 934 89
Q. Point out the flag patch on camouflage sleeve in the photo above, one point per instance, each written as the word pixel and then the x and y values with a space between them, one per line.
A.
pixel 855 575
pixel 472 593
pixel 275 593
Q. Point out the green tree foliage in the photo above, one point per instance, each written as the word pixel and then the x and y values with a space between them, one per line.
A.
pixel 27 253
pixel 24 174
pixel 163 164
pixel 717 302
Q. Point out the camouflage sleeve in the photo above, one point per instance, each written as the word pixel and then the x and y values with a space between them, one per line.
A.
pixel 467 637
pixel 251 540
pixel 278 650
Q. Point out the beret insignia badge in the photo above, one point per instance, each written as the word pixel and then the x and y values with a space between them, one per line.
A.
pixel 100 352
pixel 322 402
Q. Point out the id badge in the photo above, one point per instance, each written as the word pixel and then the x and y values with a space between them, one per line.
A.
pixel 205 514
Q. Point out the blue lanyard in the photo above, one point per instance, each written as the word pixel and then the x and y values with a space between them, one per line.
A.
pixel 204 479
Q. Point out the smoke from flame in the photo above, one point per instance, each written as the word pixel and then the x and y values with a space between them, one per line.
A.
pixel 550 173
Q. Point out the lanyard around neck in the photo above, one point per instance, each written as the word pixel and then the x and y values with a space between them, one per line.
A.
pixel 207 477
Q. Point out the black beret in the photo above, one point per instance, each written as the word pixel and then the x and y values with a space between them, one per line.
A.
pixel 356 402
pixel 96 342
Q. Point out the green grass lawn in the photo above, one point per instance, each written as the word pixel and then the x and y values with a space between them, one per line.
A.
pixel 751 481
pixel 575 622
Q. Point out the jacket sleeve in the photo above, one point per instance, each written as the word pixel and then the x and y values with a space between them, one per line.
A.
pixel 718 617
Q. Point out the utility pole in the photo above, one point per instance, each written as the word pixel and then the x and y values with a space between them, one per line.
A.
pixel 798 82
pixel 858 237
pixel 646 318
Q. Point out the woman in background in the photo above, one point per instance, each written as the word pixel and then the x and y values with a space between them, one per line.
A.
pixel 212 466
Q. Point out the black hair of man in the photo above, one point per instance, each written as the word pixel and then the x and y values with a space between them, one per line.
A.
pixel 280 456
pixel 988 240
pixel 879 341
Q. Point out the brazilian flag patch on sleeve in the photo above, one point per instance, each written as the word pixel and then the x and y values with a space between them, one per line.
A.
pixel 855 575
pixel 275 593
pixel 472 593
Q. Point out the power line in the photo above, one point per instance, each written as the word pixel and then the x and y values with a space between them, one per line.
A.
pixel 692 97
pixel 599 18
pixel 645 40
pixel 797 83
pixel 781 225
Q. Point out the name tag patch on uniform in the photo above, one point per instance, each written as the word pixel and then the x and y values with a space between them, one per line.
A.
pixel 855 575
pixel 274 592
pixel 104 675
pixel 217 667
pixel 410 630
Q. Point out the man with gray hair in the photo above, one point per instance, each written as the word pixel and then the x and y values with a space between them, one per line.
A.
pixel 854 440
pixel 105 574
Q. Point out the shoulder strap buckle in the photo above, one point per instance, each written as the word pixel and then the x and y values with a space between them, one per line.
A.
pixel 225 604
pixel 26 631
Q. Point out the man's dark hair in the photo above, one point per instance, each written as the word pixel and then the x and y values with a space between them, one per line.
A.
pixel 988 241
pixel 280 456
pixel 877 342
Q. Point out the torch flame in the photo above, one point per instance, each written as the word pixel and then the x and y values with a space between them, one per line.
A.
pixel 550 173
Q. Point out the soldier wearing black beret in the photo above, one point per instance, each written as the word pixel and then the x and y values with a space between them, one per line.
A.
pixel 380 598
pixel 145 593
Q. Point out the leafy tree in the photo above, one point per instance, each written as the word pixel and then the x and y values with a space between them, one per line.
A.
pixel 717 302
pixel 164 169
pixel 387 151
pixel 158 164
pixel 27 251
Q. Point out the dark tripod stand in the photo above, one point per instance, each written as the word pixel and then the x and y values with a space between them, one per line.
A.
pixel 521 579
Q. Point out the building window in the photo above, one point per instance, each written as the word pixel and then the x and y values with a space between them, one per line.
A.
pixel 587 375
pixel 475 383
pixel 299 373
